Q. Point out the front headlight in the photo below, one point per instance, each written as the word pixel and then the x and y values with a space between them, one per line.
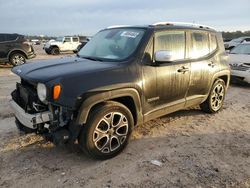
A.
pixel 42 92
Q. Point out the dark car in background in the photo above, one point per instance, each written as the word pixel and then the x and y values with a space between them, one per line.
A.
pixel 15 49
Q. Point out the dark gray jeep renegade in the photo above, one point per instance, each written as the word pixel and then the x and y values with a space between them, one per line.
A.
pixel 123 77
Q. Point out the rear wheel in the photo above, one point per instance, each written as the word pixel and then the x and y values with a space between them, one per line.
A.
pixel 17 59
pixel 216 97
pixel 55 51
pixel 107 131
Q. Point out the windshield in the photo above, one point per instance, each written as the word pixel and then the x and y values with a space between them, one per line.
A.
pixel 59 39
pixel 112 44
pixel 241 49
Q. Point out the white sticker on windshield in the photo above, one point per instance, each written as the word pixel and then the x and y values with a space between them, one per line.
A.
pixel 129 34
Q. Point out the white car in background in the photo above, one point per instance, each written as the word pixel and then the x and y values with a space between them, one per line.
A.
pixel 231 44
pixel 62 44
pixel 239 61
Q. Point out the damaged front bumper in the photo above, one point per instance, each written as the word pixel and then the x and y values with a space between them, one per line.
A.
pixel 30 120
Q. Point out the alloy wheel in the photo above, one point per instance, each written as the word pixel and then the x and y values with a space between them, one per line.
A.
pixel 217 97
pixel 110 132
pixel 18 59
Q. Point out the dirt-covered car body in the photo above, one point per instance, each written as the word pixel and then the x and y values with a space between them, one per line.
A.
pixel 137 69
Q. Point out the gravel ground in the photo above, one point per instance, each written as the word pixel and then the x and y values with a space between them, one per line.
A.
pixel 184 149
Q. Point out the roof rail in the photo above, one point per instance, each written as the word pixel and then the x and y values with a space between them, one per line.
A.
pixel 115 26
pixel 183 24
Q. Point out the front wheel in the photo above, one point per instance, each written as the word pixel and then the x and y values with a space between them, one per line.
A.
pixel 55 51
pixel 48 51
pixel 216 97
pixel 107 131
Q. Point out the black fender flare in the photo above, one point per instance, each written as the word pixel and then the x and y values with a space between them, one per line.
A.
pixel 216 76
pixel 17 50
pixel 95 99
pixel 53 46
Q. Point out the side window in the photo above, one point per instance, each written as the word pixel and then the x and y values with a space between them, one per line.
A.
pixel 213 42
pixel 199 44
pixel 67 39
pixel 247 39
pixel 173 41
pixel 75 39
pixel 11 37
pixel 2 37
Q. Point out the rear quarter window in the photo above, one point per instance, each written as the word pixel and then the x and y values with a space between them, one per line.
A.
pixel 11 37
pixel 199 44
pixel 213 43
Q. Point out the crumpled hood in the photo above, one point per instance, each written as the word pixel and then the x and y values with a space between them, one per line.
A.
pixel 46 70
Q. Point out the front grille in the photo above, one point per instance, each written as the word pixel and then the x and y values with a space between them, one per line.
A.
pixel 25 96
pixel 241 67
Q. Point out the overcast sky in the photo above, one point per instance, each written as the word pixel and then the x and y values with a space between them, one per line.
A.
pixel 86 17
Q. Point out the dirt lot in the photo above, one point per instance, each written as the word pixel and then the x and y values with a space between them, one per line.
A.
pixel 194 150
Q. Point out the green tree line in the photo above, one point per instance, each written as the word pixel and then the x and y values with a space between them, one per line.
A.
pixel 235 34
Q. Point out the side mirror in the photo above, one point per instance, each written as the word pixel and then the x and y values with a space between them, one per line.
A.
pixel 163 56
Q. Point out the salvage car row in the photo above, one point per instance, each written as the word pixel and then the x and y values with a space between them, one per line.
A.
pixel 16 49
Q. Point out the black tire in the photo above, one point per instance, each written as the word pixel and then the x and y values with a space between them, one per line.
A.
pixel 101 140
pixel 216 97
pixel 55 51
pixel 48 51
pixel 17 59
pixel 22 128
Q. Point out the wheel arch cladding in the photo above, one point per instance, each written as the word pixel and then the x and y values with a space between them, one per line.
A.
pixel 16 51
pixel 128 97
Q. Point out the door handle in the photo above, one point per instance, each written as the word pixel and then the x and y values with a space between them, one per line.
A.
pixel 211 64
pixel 183 69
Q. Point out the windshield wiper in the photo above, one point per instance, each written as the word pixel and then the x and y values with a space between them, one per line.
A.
pixel 91 58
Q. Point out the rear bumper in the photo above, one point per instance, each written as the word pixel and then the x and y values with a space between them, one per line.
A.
pixel 31 55
pixel 29 120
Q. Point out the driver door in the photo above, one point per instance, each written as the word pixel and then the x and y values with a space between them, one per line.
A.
pixel 166 83
pixel 67 44
pixel 173 76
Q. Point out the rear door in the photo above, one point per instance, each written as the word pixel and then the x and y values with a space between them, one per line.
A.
pixel 202 54
pixel 75 43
